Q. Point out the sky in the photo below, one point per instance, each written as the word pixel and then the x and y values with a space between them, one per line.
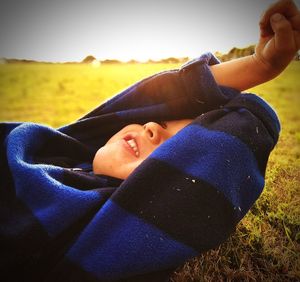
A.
pixel 69 30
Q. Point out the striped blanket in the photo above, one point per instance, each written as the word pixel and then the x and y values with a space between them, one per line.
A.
pixel 60 222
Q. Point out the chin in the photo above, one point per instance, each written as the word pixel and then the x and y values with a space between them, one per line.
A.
pixel 96 163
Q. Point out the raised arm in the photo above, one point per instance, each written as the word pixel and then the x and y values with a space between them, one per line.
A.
pixel 278 43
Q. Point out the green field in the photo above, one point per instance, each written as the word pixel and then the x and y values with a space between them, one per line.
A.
pixel 266 245
pixel 58 94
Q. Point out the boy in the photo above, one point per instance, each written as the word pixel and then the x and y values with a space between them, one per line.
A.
pixel 196 154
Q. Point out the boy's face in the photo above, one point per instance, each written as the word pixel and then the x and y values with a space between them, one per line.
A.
pixel 125 150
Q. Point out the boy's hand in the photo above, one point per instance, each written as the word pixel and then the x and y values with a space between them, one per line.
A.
pixel 279 36
pixel 277 46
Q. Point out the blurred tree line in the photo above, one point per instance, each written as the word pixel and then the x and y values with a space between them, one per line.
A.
pixel 232 54
pixel 235 53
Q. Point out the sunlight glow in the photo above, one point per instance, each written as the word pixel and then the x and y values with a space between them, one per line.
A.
pixel 95 64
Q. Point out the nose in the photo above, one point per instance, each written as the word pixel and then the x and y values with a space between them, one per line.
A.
pixel 154 132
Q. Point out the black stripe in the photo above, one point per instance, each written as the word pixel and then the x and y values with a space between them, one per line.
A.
pixel 27 253
pixel 83 180
pixel 191 211
pixel 22 242
pixel 65 270
pixel 68 271
pixel 251 102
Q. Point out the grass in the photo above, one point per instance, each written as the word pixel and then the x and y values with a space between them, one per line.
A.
pixel 58 94
pixel 266 245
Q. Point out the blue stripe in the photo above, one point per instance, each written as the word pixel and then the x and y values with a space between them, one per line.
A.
pixel 55 205
pixel 39 186
pixel 117 244
pixel 217 158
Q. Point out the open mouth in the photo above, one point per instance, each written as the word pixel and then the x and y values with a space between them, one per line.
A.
pixel 133 144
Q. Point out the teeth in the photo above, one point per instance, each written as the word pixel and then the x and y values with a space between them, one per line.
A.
pixel 133 145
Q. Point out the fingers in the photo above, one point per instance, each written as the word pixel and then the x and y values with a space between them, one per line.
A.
pixel 295 21
pixel 284 7
pixel 297 39
pixel 284 34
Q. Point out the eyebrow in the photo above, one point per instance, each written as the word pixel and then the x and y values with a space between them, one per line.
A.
pixel 163 124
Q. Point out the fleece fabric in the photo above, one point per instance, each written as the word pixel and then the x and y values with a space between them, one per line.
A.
pixel 60 223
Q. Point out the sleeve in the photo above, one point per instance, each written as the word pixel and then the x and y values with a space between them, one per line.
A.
pixel 169 95
pixel 187 91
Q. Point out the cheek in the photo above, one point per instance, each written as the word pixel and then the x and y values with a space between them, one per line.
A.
pixel 103 160
pixel 112 161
